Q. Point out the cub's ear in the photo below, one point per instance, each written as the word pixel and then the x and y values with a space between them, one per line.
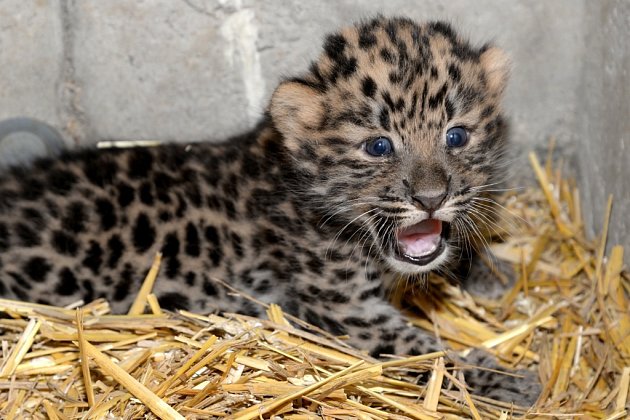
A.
pixel 295 109
pixel 496 64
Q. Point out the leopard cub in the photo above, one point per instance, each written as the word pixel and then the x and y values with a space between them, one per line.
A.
pixel 366 168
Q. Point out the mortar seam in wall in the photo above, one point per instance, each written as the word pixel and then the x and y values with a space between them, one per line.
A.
pixel 75 124
pixel 244 47
pixel 240 31
pixel 197 8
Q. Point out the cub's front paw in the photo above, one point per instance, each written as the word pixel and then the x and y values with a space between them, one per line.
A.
pixel 521 387
pixel 484 276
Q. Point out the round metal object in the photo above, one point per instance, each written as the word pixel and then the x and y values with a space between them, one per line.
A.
pixel 23 140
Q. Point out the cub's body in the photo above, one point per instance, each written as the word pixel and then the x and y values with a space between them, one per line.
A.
pixel 370 167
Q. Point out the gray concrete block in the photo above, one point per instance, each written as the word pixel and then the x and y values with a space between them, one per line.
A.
pixel 602 131
pixel 162 70
pixel 31 57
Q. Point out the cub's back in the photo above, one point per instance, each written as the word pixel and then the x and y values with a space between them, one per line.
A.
pixel 88 224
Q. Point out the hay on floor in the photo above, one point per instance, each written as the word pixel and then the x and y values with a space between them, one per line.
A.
pixel 566 317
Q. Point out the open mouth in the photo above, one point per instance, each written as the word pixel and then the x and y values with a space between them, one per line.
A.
pixel 423 242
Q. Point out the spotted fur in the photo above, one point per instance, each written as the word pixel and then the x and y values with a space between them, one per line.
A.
pixel 295 212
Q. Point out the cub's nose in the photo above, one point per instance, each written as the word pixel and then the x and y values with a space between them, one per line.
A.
pixel 429 202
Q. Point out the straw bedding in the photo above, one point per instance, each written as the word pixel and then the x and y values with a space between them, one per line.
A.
pixel 566 317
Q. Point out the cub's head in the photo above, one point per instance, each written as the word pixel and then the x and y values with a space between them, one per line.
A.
pixel 396 132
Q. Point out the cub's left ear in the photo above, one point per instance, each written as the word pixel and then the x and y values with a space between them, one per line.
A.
pixel 496 64
pixel 295 109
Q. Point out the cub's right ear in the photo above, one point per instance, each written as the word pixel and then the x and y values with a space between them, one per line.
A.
pixel 496 64
pixel 296 109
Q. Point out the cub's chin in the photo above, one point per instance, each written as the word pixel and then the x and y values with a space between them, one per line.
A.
pixel 404 266
pixel 421 247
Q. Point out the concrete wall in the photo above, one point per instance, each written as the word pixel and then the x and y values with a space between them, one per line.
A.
pixel 198 69
pixel 204 69
pixel 602 130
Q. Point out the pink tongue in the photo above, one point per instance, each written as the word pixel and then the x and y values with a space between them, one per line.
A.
pixel 420 239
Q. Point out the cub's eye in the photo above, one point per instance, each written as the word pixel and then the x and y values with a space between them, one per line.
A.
pixel 380 146
pixel 456 137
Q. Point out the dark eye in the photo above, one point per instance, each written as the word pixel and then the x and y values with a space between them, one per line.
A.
pixel 380 146
pixel 456 137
